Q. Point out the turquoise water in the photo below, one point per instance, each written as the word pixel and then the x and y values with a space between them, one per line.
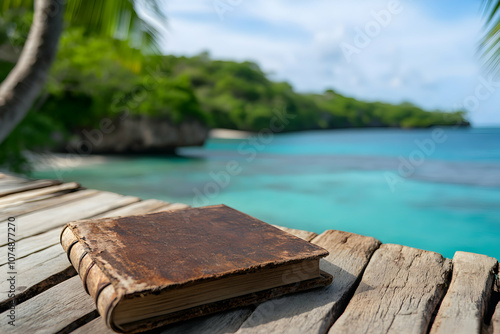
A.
pixel 435 191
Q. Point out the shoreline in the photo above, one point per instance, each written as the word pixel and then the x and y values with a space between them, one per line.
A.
pixel 64 161
pixel 220 133
pixel 67 161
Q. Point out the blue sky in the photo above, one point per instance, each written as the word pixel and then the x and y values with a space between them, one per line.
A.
pixel 421 51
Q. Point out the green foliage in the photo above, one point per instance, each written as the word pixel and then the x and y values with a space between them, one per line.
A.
pixel 37 132
pixel 116 19
pixel 110 19
pixel 5 68
pixel 95 77
pixel 490 43
pixel 161 97
pixel 14 27
pixel 240 96
pixel 71 101
pixel 87 74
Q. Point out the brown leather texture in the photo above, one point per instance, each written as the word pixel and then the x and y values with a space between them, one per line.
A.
pixel 171 249
pixel 93 279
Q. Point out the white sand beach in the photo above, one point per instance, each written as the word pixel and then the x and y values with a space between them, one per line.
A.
pixel 229 134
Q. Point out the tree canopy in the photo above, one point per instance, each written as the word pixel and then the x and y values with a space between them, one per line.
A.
pixel 95 76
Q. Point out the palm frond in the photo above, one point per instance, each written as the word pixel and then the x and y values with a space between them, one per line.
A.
pixel 489 47
pixel 118 19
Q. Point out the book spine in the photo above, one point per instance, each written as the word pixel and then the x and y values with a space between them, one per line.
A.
pixel 95 282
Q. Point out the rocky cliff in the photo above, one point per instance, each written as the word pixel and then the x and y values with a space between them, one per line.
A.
pixel 139 134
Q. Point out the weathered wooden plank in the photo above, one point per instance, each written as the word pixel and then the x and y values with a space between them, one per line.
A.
pixel 31 200
pixel 60 265
pixel 19 198
pixel 11 179
pixel 221 323
pixel 398 293
pixel 31 245
pixel 306 235
pixel 36 273
pixel 462 309
pixel 135 209
pixel 495 321
pixel 47 219
pixel 94 326
pixel 172 206
pixel 58 268
pixel 39 242
pixel 315 311
pixel 6 176
pixel 32 206
pixel 36 199
pixel 8 189
pixel 52 310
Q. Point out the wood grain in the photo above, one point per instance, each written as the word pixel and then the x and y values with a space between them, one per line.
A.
pixel 12 188
pixel 220 323
pixel 32 245
pixel 306 235
pixel 463 307
pixel 141 207
pixel 44 240
pixel 46 219
pixel 40 270
pixel 172 207
pixel 10 179
pixel 32 206
pixel 36 273
pixel 52 310
pixel 28 195
pixel 93 327
pixel 398 293
pixel 315 311
pixel 495 321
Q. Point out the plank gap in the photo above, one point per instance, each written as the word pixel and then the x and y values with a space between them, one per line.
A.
pixel 438 306
pixel 399 290
pixel 79 322
pixel 37 234
pixel 109 205
pixel 494 300
pixel 343 303
pixel 38 288
pixel 464 306
pixel 23 256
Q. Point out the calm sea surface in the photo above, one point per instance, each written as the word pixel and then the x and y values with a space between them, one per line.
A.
pixel 438 190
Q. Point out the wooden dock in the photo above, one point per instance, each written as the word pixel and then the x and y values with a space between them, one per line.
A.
pixel 377 288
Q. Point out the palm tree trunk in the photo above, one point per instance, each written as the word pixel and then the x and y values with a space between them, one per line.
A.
pixel 19 90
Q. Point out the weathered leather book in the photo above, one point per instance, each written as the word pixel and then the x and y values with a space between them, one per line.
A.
pixel 151 270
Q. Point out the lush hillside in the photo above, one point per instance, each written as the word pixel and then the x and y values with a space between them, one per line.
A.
pixel 94 79
pixel 240 96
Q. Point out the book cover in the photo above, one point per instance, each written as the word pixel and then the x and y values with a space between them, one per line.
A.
pixel 184 260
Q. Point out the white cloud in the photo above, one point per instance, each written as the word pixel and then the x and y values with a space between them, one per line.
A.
pixel 416 57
